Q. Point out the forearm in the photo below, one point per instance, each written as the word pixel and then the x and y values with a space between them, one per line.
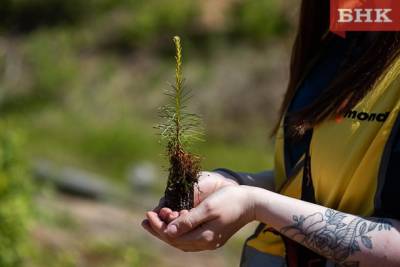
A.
pixel 262 179
pixel 343 238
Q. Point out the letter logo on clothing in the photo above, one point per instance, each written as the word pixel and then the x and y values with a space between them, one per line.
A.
pixel 364 15
pixel 364 116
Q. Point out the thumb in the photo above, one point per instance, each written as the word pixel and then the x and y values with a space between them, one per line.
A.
pixel 188 221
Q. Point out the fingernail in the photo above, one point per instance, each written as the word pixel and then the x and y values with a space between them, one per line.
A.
pixel 172 229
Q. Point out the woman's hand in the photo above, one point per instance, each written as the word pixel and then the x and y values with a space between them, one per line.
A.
pixel 210 224
pixel 209 182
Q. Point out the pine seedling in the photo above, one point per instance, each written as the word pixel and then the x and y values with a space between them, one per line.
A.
pixel 179 130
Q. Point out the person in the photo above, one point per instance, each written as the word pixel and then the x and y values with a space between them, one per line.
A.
pixel 333 196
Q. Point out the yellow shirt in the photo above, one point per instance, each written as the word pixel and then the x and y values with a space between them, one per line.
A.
pixel 347 158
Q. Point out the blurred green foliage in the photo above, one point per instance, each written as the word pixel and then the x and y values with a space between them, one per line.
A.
pixel 15 200
pixel 49 68
pixel 140 22
pixel 259 19
pixel 51 62
pixel 153 19
pixel 83 79
pixel 66 64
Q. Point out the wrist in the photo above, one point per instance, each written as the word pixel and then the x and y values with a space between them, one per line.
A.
pixel 260 202
pixel 251 204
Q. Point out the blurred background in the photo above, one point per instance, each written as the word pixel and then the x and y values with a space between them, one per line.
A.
pixel 80 87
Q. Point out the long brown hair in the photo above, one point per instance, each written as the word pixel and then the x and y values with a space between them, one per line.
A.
pixel 355 78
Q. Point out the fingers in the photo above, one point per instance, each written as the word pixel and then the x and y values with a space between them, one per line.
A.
pixel 172 216
pixel 160 205
pixel 146 225
pixel 163 237
pixel 167 215
pixel 188 221
pixel 164 214
pixel 155 226
pixel 156 223
pixel 208 236
pixel 202 238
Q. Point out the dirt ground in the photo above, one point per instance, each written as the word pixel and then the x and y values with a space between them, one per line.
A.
pixel 82 223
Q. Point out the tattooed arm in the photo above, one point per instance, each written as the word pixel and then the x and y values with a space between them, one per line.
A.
pixel 346 239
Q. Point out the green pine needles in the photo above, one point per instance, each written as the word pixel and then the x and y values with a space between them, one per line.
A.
pixel 179 130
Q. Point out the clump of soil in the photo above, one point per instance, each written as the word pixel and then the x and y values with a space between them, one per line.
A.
pixel 183 175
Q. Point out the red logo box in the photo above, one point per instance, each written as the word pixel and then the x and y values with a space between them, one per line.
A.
pixel 364 15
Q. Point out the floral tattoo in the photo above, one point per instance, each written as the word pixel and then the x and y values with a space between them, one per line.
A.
pixel 333 236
